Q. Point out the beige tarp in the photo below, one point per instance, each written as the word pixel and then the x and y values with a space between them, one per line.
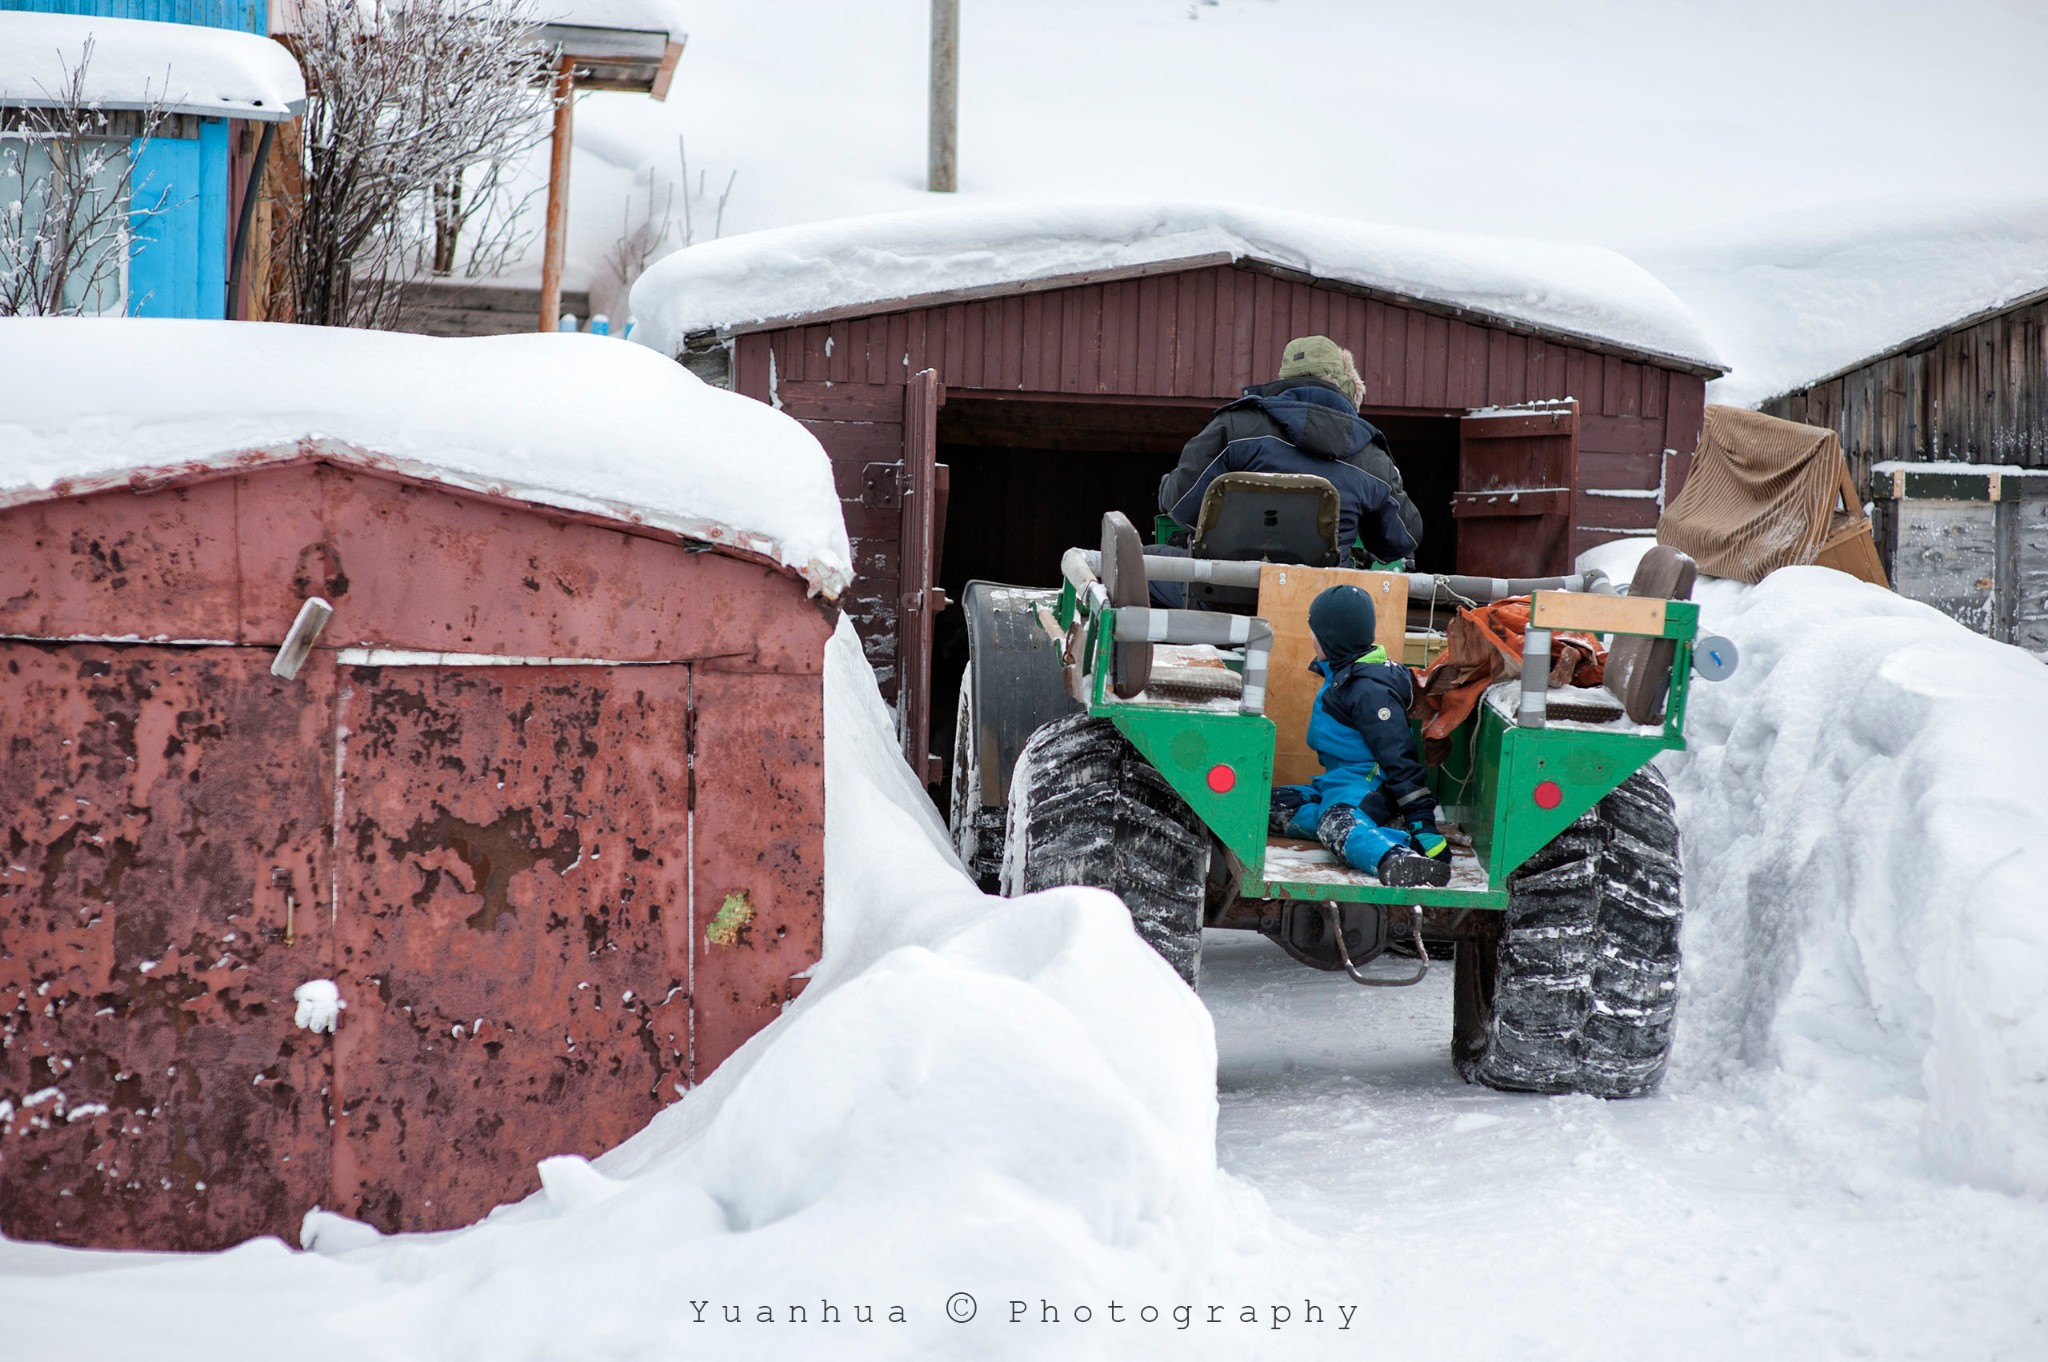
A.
pixel 1765 494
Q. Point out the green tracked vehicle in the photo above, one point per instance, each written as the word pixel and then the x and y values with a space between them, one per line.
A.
pixel 1104 741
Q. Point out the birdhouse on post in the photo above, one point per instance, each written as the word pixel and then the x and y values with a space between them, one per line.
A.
pixel 594 55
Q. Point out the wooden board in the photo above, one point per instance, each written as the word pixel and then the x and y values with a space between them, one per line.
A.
pixel 1597 614
pixel 1284 595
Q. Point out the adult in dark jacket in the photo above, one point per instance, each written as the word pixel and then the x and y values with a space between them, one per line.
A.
pixel 1306 421
pixel 1371 806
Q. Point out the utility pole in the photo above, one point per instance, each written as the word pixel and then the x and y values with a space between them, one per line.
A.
pixel 942 171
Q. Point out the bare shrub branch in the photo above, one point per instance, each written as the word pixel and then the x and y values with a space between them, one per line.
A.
pixel 418 115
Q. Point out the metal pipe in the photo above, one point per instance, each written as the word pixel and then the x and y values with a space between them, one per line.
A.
pixel 1535 709
pixel 556 243
pixel 1150 624
pixel 1422 586
pixel 249 193
pixel 1221 571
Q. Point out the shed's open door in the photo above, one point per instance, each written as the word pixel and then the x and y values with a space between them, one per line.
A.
pixel 1517 471
pixel 922 600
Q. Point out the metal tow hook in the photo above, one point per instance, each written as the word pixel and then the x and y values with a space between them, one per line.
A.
pixel 1336 922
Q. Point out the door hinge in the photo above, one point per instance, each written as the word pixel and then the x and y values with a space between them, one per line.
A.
pixel 881 486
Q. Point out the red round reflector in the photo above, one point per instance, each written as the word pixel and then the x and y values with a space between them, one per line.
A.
pixel 1222 779
pixel 1549 794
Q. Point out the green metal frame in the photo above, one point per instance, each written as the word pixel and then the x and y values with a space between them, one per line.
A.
pixel 1494 800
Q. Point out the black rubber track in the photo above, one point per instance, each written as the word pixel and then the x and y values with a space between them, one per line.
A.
pixel 1086 808
pixel 977 829
pixel 1576 991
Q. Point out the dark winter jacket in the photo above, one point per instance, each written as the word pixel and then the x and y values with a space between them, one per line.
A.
pixel 1302 425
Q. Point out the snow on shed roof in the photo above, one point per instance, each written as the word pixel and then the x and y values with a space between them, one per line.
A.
pixel 1577 290
pixel 139 63
pixel 583 423
pixel 1802 296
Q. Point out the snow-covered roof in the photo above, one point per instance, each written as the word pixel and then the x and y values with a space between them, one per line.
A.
pixel 580 422
pixel 1802 296
pixel 646 16
pixel 139 64
pixel 1574 290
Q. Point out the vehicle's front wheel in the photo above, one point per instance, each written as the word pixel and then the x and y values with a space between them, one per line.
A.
pixel 1574 986
pixel 1086 808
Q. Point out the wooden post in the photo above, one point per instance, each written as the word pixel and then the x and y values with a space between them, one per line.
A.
pixel 558 195
pixel 942 169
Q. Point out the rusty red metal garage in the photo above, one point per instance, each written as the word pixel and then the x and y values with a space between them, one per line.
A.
pixel 546 803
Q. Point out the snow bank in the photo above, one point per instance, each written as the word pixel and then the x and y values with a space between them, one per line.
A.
pixel 1867 871
pixel 1582 290
pixel 138 63
pixel 1010 1098
pixel 1797 296
pixel 573 421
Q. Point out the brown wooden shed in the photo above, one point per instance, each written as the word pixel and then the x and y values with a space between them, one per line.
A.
pixel 1973 391
pixel 546 803
pixel 1029 406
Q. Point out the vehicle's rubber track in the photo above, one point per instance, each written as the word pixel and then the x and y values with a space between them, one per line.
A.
pixel 1577 990
pixel 977 830
pixel 1086 808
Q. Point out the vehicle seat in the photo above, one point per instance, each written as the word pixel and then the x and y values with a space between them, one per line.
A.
pixel 1265 518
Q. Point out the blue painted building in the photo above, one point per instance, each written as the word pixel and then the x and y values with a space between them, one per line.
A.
pixel 209 65
pixel 244 16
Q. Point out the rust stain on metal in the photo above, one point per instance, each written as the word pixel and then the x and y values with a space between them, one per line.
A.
pixel 513 839
pixel 491 862
pixel 159 805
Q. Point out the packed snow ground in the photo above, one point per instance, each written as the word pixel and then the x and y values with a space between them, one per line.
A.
pixel 1018 1100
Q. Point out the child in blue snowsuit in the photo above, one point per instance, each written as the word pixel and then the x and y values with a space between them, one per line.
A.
pixel 1371 806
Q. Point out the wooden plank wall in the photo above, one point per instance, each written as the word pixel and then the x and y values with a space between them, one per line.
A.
pixel 1977 395
pixel 1204 333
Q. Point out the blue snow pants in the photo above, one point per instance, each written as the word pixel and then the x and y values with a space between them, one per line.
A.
pixel 1344 807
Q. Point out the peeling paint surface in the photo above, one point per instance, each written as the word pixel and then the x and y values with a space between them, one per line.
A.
pixel 159 810
pixel 507 871
pixel 514 887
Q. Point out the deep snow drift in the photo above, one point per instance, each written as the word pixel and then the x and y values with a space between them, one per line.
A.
pixel 1867 846
pixel 578 422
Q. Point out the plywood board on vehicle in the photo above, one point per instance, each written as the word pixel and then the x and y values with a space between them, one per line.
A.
pixel 1594 614
pixel 1285 591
